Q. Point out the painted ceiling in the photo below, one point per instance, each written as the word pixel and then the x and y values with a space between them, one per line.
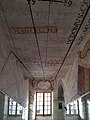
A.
pixel 46 34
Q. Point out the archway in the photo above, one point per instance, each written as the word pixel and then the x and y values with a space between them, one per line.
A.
pixel 60 93
pixel 61 102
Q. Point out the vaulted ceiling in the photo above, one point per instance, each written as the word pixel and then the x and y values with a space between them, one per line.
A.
pixel 46 35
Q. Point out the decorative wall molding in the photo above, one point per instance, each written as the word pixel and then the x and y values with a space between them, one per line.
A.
pixel 36 61
pixel 84 56
pixel 66 3
pixel 43 85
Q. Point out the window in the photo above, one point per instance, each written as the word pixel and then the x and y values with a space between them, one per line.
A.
pixel 72 108
pixel 43 103
pixel 88 105
pixel 67 110
pixel 14 108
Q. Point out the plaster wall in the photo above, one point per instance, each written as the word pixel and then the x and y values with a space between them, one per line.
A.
pixel 70 84
pixel 58 112
pixel 1 105
pixel 72 117
pixel 12 82
pixel 14 118
pixel 44 118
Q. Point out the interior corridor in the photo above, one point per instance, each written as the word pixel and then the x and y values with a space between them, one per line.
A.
pixel 44 59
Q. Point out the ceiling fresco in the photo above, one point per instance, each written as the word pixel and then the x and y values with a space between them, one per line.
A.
pixel 46 34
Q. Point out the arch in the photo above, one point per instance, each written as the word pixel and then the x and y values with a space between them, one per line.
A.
pixel 60 91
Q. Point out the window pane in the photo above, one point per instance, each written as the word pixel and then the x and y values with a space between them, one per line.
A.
pixel 10 112
pixel 41 103
pixel 38 103
pixel 48 94
pixel 41 111
pixel 45 94
pixel 45 112
pixel 41 107
pixel 38 107
pixel 43 100
pixel 12 108
pixel 18 112
pixel 10 102
pixel 19 109
pixel 13 112
pixel 48 98
pixel 48 111
pixel 48 103
pixel 45 107
pixel 48 107
pixel 14 103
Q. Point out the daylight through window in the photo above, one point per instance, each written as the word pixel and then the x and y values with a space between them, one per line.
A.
pixel 14 108
pixel 43 103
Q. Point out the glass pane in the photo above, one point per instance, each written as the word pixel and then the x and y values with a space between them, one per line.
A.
pixel 48 107
pixel 41 98
pixel 41 94
pixel 48 103
pixel 10 107
pixel 45 94
pixel 13 113
pixel 45 107
pixel 10 102
pixel 67 112
pixel 38 94
pixel 41 103
pixel 41 107
pixel 48 111
pixel 13 108
pixel 38 103
pixel 10 112
pixel 38 111
pixel 14 103
pixel 48 94
pixel 48 98
pixel 38 99
pixel 41 111
pixel 18 112
pixel 45 111
pixel 38 107
pixel 19 109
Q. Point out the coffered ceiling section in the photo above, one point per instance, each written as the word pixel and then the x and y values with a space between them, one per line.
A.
pixel 46 33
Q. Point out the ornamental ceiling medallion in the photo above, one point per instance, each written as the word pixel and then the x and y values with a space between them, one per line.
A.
pixel 43 85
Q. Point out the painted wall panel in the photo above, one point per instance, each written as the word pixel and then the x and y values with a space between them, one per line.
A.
pixel 83 80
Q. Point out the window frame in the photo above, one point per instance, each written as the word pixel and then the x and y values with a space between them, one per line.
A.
pixel 72 108
pixel 16 108
pixel 43 114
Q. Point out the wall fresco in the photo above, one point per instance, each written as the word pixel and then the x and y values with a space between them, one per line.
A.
pixel 83 80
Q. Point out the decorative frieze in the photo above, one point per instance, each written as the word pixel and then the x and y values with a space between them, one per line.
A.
pixel 30 30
